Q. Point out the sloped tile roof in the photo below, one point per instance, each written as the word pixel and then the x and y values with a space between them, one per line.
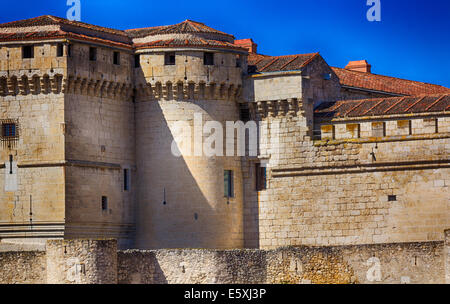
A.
pixel 67 31
pixel 384 106
pixel 263 64
pixel 53 20
pixel 192 42
pixel 387 84
pixel 187 26
pixel 58 35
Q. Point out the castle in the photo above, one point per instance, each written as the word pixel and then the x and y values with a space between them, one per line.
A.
pixel 346 157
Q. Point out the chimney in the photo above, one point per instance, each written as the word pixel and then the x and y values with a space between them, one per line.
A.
pixel 247 44
pixel 360 66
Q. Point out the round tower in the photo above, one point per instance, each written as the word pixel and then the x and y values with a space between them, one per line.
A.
pixel 191 73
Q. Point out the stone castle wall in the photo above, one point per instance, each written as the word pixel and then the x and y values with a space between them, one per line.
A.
pixel 32 175
pixel 99 262
pixel 379 190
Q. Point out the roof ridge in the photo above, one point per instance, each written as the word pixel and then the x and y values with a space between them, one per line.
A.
pixel 387 76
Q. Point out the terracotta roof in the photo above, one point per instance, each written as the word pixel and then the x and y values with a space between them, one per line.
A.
pixel 192 42
pixel 187 26
pixel 57 35
pixel 263 64
pixel 384 106
pixel 53 20
pixel 387 84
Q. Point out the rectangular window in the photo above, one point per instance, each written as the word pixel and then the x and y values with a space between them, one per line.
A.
pixel 93 54
pixel 9 130
pixel 104 203
pixel 261 177
pixel 28 51
pixel 244 112
pixel 116 59
pixel 137 61
pixel 126 179
pixel 228 183
pixel 60 50
pixel 169 58
pixel 208 59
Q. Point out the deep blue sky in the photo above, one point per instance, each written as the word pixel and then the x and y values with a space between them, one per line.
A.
pixel 412 40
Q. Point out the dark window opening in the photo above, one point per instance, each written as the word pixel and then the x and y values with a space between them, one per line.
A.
pixel 261 177
pixel 169 58
pixel 60 50
pixel 93 54
pixel 10 164
pixel 104 203
pixel 392 198
pixel 116 59
pixel 208 59
pixel 238 61
pixel 137 61
pixel 126 183
pixel 9 130
pixel 28 51
pixel 244 113
pixel 228 183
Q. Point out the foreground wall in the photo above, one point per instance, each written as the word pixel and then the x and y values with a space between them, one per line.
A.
pixel 26 267
pixel 99 262
pixel 384 263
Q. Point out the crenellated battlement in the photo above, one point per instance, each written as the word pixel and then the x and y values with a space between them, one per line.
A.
pixel 188 91
pixel 287 107
pixel 35 84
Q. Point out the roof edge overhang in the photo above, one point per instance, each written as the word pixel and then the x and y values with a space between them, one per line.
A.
pixel 276 74
pixel 382 117
pixel 146 49
pixel 373 91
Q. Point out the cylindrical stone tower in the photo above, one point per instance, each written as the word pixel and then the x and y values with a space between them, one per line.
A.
pixel 186 71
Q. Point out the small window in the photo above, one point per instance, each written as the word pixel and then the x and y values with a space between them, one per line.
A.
pixel 169 58
pixel 137 61
pixel 208 59
pixel 104 203
pixel 93 54
pixel 126 179
pixel 392 198
pixel 116 59
pixel 244 112
pixel 228 183
pixel 28 51
pixel 10 164
pixel 9 130
pixel 261 177
pixel 60 50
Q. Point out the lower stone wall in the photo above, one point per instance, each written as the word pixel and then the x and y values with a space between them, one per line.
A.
pixel 367 264
pixel 26 267
pixel 99 262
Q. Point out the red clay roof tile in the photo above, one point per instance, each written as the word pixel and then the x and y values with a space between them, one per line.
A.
pixel 384 106
pixel 386 84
